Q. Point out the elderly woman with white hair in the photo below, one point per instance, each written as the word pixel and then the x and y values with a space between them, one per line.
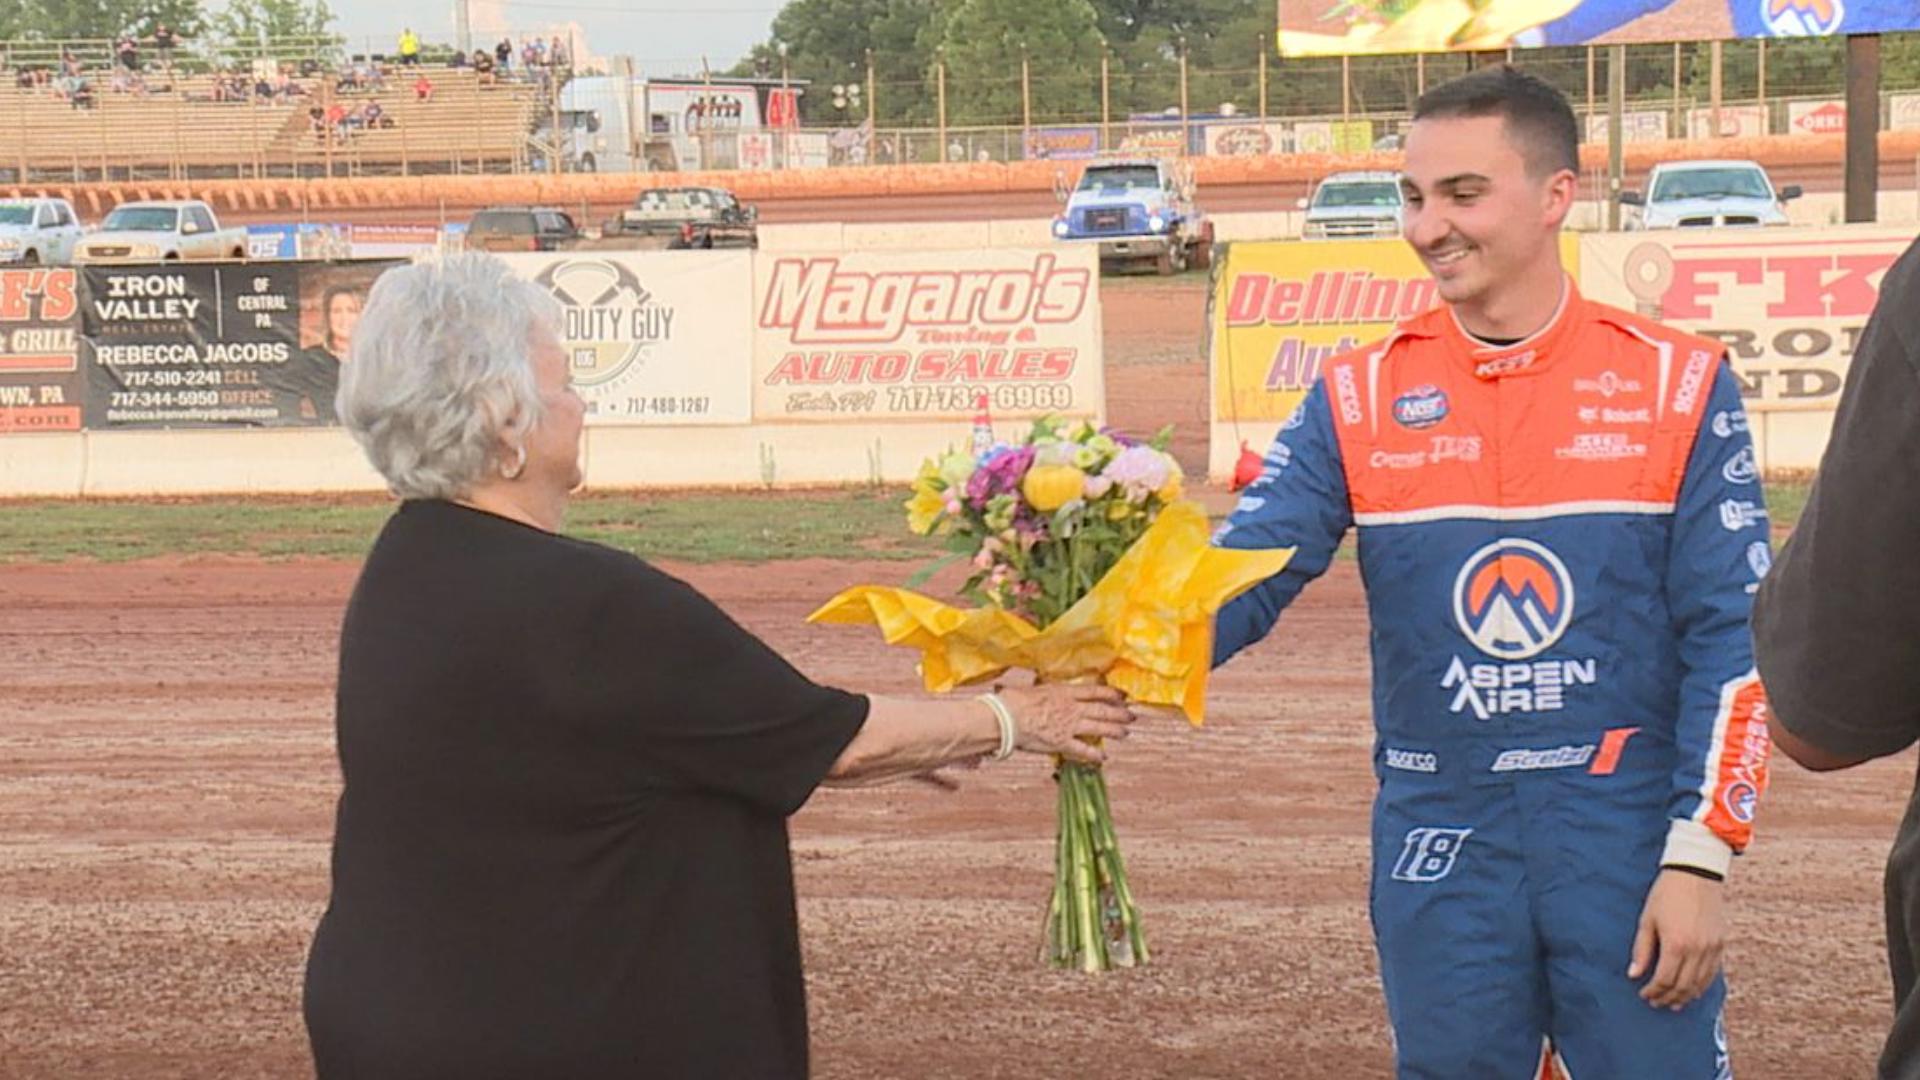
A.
pixel 561 846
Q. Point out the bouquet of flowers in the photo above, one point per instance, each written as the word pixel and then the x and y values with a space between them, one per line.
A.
pixel 1086 565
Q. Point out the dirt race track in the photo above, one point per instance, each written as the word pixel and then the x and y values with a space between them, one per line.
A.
pixel 167 783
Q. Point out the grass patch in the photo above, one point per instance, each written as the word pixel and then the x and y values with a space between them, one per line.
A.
pixel 866 523
pixel 1787 500
pixel 855 523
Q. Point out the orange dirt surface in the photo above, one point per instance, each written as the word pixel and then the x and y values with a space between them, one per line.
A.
pixel 167 780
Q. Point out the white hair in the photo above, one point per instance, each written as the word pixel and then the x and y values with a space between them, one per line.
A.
pixel 439 367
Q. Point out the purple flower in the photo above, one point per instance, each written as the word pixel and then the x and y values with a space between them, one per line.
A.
pixel 1000 474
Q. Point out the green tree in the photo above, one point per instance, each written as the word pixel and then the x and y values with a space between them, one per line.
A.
pixel 79 20
pixel 984 40
pixel 827 43
pixel 250 20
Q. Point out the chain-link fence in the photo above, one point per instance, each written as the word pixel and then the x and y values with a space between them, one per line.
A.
pixel 331 106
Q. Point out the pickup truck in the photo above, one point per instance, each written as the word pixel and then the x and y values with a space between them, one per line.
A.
pixel 1136 209
pixel 689 217
pixel 139 232
pixel 34 231
pixel 1352 205
pixel 1692 194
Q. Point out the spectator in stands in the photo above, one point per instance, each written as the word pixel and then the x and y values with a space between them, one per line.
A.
pixel 127 51
pixel 373 116
pixel 557 56
pixel 337 118
pixel 423 86
pixel 163 43
pixel 503 54
pixel 459 60
pixel 409 47
pixel 483 67
pixel 317 121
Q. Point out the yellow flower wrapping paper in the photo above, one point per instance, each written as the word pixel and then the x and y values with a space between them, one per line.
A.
pixel 1146 628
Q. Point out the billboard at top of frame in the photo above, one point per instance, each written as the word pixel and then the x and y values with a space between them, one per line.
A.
pixel 1317 28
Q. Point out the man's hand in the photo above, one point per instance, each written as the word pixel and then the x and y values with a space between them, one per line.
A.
pixel 1683 925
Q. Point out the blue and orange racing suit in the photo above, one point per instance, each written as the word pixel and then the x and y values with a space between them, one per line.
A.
pixel 1560 539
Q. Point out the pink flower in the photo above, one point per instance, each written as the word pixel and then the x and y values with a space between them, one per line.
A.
pixel 1141 470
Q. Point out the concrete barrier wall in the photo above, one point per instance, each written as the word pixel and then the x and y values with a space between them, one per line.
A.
pixel 421 197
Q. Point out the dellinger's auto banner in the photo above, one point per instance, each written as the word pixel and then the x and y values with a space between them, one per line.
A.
pixel 900 336
pixel 1789 304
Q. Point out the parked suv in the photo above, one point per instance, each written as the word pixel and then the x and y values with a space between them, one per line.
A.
pixel 1691 194
pixel 521 228
pixel 1353 204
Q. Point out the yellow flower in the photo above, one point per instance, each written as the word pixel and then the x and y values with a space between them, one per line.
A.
pixel 924 508
pixel 1049 487
pixel 1119 510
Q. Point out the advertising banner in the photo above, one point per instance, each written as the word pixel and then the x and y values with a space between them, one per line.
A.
pixel 41 388
pixel 1333 136
pixel 1903 112
pixel 1158 140
pixel 654 338
pixel 374 241
pixel 1280 309
pixel 1789 303
pixel 1314 28
pixel 1817 117
pixel 895 335
pixel 1062 144
pixel 1248 139
pixel 1736 122
pixel 218 346
pixel 1644 126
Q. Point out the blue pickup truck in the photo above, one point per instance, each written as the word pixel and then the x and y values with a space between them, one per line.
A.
pixel 1137 210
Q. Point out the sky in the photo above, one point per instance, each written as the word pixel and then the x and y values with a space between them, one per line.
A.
pixel 664 37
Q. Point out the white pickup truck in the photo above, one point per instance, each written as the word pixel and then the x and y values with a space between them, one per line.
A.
pixel 35 231
pixel 139 232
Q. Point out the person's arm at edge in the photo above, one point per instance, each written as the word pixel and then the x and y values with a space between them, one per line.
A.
pixel 1299 501
pixel 1828 609
pixel 905 737
pixel 1716 553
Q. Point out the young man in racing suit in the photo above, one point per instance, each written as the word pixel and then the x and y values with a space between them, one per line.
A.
pixel 1560 530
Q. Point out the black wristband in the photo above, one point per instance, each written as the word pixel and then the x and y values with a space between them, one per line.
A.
pixel 1696 871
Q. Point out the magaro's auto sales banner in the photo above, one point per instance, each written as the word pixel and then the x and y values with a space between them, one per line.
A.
pixel 1317 28
pixel 41 388
pixel 892 335
pixel 1788 303
pixel 229 345
pixel 657 337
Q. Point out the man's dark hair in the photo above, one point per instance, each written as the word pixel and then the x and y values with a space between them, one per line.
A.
pixel 1537 116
